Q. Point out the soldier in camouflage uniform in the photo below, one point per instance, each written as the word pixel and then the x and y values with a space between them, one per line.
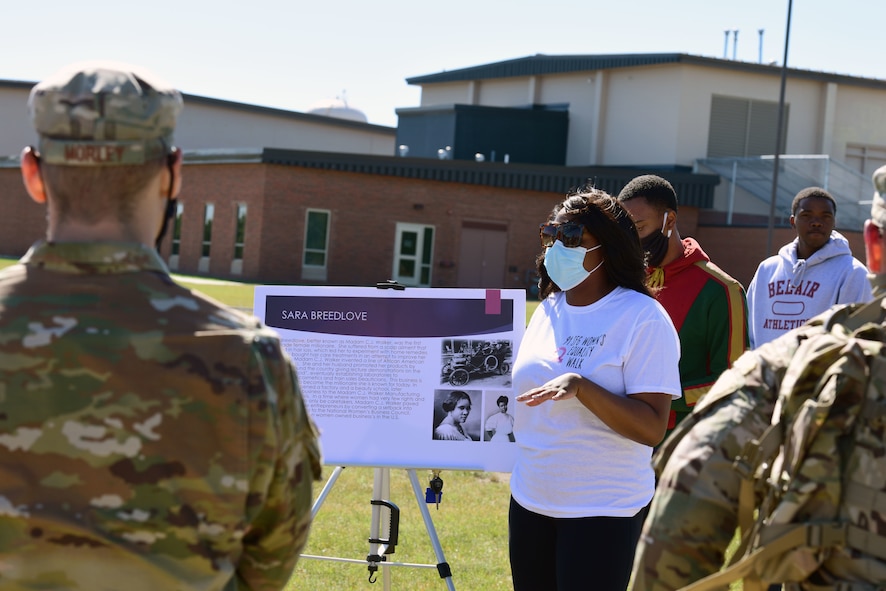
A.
pixel 693 515
pixel 150 438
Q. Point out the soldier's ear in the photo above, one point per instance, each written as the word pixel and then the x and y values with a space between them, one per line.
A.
pixel 173 183
pixel 30 163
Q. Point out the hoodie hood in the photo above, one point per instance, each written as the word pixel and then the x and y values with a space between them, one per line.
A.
pixel 836 246
pixel 692 253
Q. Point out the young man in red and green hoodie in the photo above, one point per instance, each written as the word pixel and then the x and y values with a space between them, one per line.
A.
pixel 707 306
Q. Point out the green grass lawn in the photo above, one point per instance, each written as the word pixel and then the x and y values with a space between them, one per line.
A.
pixel 471 524
pixel 239 295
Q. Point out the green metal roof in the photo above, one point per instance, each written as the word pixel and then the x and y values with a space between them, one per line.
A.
pixel 541 64
pixel 692 189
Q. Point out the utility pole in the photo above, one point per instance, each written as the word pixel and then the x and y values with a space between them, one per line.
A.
pixel 779 127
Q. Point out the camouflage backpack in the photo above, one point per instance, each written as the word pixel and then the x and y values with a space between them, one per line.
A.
pixel 820 468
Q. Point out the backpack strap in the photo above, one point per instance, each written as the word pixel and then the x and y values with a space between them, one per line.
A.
pixel 755 453
pixel 778 539
pixel 871 311
pixel 784 538
pixel 844 587
pixel 856 494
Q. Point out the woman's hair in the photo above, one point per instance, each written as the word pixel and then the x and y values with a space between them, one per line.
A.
pixel 453 398
pixel 501 399
pixel 604 217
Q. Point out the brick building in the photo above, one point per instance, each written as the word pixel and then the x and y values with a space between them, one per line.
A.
pixel 282 216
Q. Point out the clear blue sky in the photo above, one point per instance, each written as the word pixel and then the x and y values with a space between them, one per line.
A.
pixel 290 54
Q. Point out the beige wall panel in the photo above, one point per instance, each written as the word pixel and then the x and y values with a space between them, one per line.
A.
pixel 447 93
pixel 205 126
pixel 15 124
pixel 579 92
pixel 641 117
pixel 860 118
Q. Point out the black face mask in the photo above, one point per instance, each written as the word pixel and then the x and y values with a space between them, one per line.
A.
pixel 656 245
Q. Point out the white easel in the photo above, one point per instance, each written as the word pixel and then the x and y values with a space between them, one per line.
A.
pixel 385 511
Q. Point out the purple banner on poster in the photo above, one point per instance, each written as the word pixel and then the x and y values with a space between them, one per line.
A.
pixel 388 317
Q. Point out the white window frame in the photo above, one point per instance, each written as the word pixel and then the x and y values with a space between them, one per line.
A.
pixel 313 272
pixel 206 241
pixel 241 210
pixel 175 247
pixel 417 260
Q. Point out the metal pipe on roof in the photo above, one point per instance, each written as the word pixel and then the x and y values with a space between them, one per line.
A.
pixel 760 52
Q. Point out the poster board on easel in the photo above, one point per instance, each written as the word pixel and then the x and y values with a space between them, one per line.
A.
pixel 375 365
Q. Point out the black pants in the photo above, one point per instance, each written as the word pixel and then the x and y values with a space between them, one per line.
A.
pixel 588 553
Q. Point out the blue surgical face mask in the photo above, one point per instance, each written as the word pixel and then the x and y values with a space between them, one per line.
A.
pixel 566 265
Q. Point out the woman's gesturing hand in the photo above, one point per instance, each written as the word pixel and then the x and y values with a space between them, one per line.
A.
pixel 560 388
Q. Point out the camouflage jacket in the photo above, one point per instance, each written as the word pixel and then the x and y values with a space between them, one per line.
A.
pixel 693 515
pixel 150 437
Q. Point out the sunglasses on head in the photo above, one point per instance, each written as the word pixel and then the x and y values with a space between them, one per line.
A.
pixel 569 234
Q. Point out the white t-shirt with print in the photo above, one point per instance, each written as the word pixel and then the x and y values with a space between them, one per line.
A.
pixel 570 464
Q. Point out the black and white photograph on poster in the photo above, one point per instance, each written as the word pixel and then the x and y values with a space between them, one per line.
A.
pixel 456 418
pixel 484 363
pixel 498 423
pixel 376 367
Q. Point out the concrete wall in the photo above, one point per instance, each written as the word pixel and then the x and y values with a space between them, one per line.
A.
pixel 15 125
pixel 859 118
pixel 212 126
pixel 641 117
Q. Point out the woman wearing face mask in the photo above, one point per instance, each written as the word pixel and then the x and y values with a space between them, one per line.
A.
pixel 596 372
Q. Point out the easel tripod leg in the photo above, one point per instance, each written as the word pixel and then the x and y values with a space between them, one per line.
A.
pixel 442 565
pixel 318 502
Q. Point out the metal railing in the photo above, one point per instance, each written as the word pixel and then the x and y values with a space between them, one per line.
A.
pixel 851 190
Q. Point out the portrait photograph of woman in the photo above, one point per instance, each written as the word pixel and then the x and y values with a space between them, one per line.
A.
pixel 453 420
pixel 499 424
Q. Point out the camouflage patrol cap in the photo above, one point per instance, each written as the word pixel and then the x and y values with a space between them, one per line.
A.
pixel 103 113
pixel 878 206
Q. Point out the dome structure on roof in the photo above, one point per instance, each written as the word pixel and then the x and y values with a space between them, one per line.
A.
pixel 337 108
